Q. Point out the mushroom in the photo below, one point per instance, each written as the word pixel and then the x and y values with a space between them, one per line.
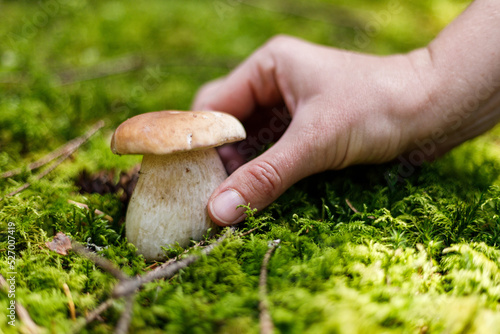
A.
pixel 180 170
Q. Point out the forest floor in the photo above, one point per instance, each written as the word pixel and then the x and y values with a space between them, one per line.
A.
pixel 361 250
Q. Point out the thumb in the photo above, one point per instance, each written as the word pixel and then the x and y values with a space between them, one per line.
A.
pixel 260 181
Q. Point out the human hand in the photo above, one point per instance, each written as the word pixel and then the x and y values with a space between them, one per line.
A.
pixel 346 109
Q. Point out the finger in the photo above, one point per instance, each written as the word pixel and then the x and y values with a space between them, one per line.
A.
pixel 251 85
pixel 231 158
pixel 205 93
pixel 262 180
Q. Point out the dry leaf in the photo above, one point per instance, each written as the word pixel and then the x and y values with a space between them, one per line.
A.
pixel 60 244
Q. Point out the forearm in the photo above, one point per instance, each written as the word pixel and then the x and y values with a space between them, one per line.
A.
pixel 464 75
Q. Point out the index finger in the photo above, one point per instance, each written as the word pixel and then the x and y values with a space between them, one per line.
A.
pixel 251 85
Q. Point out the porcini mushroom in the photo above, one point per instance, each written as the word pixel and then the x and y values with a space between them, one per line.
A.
pixel 180 169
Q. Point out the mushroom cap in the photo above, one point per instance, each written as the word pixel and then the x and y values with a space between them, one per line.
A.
pixel 165 132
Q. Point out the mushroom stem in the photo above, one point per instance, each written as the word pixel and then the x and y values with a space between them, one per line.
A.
pixel 169 203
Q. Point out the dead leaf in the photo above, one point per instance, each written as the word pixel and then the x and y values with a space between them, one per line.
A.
pixel 60 244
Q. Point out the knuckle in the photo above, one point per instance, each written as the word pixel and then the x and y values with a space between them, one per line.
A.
pixel 283 51
pixel 278 39
pixel 265 178
pixel 205 94
pixel 279 43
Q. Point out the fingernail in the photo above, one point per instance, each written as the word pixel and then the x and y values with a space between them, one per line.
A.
pixel 224 207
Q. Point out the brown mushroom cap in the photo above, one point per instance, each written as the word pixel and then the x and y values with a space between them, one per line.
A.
pixel 165 132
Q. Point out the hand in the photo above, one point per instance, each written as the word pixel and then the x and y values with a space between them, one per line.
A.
pixel 346 108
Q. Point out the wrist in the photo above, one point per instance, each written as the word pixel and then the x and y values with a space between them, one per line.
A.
pixel 460 74
pixel 413 109
pixel 455 103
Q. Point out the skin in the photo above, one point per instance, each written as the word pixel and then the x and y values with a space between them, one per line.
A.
pixel 348 108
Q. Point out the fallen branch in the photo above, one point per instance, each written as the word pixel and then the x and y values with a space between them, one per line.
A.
pixel 266 323
pixel 30 326
pixel 99 261
pixel 127 287
pixel 126 317
pixel 81 323
pixel 66 154
pixel 69 146
pixel 170 261
pixel 62 243
pixel 39 176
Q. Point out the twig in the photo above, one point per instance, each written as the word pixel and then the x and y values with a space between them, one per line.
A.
pixel 127 287
pixel 126 317
pixel 355 210
pixel 17 191
pixel 65 155
pixel 266 323
pixel 100 261
pixel 176 258
pixel 92 315
pixel 69 146
pixel 62 243
pixel 351 206
pixel 248 232
pixel 101 308
pixel 30 326
pixel 71 304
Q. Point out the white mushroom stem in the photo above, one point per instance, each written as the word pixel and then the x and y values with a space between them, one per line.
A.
pixel 169 203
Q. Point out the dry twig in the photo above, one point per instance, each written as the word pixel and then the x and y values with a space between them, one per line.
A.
pixel 64 155
pixel 127 286
pixel 95 313
pixel 354 209
pixel 68 147
pixel 248 232
pixel 126 317
pixel 62 243
pixel 351 206
pixel 99 261
pixel 29 325
pixel 266 323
